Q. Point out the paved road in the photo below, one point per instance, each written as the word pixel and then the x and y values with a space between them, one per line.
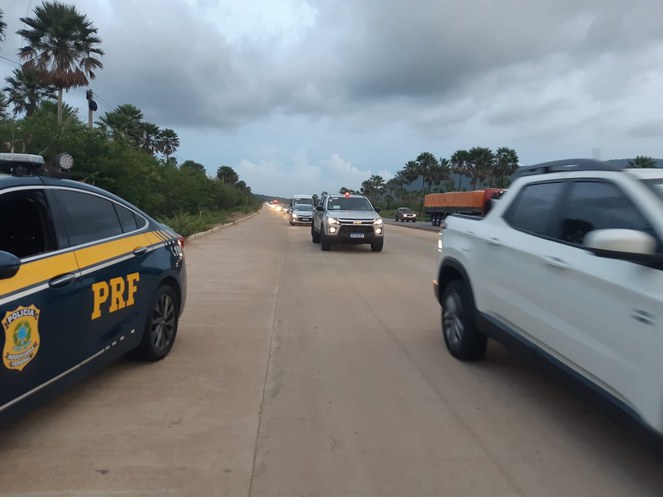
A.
pixel 306 373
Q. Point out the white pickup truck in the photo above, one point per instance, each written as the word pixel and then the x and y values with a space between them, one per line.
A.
pixel 569 263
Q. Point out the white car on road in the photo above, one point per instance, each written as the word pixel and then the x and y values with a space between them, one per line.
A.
pixel 569 262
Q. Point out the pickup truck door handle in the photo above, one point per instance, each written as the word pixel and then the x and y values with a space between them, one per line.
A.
pixel 556 262
pixel 140 251
pixel 494 241
pixel 62 280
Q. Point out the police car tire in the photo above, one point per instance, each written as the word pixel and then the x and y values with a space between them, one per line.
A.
pixel 162 321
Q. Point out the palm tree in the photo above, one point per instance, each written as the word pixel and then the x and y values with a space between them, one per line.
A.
pixel 227 175
pixel 150 135
pixel 460 165
pixel 506 163
pixel 125 122
pixel 642 161
pixel 3 26
pixel 51 107
pixel 482 161
pixel 26 91
pixel 3 106
pixel 194 167
pixel 373 187
pixel 169 142
pixel 62 46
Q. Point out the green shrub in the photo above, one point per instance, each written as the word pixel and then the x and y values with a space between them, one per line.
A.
pixel 187 224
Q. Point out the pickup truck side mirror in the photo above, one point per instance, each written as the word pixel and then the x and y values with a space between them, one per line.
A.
pixel 627 245
pixel 378 209
pixel 319 208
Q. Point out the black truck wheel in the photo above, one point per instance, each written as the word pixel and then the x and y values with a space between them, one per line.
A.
pixel 461 336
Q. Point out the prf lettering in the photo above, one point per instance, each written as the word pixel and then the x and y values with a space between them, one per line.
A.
pixel 117 293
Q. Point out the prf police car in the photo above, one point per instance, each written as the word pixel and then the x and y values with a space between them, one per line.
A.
pixel 84 278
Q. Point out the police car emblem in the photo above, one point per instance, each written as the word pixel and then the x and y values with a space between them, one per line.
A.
pixel 21 337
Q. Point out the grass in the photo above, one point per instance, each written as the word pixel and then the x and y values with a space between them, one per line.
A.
pixel 187 224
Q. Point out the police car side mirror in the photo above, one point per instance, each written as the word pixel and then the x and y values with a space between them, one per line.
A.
pixel 9 265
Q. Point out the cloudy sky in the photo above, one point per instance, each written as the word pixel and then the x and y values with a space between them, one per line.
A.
pixel 301 96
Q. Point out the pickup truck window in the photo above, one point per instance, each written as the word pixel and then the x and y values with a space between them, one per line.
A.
pixel 593 205
pixel 533 209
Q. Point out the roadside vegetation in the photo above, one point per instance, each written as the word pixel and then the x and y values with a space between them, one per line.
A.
pixel 120 152
pixel 473 169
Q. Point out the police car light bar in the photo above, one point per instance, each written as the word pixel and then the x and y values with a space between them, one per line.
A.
pixel 29 160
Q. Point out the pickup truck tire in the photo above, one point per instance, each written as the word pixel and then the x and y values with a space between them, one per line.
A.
pixel 325 243
pixel 376 245
pixel 315 236
pixel 461 336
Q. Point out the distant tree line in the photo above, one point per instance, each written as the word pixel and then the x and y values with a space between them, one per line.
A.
pixel 478 167
pixel 472 169
pixel 122 152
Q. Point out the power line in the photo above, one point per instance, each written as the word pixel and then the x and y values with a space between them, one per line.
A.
pixel 7 59
pixel 106 104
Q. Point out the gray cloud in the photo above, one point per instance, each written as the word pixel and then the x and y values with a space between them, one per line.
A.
pixel 377 81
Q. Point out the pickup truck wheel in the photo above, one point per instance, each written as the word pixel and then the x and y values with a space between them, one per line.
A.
pixel 376 245
pixel 461 337
pixel 325 243
pixel 315 236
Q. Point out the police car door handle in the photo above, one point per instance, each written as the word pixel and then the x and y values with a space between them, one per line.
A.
pixel 140 251
pixel 62 280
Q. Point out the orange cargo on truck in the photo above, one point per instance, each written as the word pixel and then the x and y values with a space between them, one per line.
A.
pixel 476 203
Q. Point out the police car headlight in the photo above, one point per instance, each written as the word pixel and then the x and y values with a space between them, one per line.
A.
pixel 377 222
pixel 332 220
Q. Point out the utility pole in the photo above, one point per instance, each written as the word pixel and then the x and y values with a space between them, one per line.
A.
pixel 91 107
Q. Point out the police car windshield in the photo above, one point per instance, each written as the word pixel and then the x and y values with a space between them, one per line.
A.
pixel 349 204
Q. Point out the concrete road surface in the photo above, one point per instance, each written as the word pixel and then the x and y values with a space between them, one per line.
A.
pixel 306 373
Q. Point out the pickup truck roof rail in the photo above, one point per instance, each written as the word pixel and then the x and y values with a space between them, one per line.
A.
pixel 563 165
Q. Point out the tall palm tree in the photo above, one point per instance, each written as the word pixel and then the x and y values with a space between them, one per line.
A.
pixel 460 165
pixel 3 26
pixel 150 137
pixel 26 91
pixel 169 142
pixel 506 163
pixel 62 46
pixel 482 161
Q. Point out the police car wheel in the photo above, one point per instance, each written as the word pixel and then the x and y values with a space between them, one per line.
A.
pixel 161 326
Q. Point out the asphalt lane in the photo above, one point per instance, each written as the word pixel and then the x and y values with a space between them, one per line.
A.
pixel 299 372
